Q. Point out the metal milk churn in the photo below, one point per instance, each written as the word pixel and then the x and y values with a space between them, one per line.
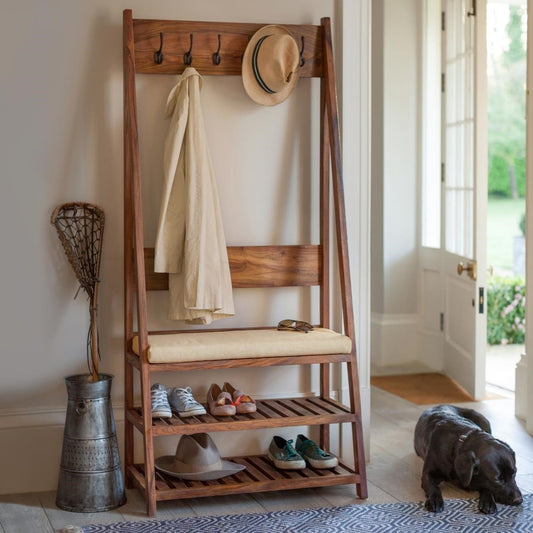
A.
pixel 90 478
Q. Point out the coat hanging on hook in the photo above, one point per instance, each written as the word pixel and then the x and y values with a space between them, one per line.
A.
pixel 190 243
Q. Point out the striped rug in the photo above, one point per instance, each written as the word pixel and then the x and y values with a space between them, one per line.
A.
pixel 458 516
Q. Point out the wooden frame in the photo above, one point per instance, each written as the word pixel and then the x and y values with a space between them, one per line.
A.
pixel 259 266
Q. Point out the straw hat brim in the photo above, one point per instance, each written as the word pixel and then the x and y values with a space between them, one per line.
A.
pixel 166 464
pixel 251 86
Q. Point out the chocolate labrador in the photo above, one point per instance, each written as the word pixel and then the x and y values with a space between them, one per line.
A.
pixel 456 445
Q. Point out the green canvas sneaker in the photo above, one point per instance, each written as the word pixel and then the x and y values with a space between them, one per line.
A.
pixel 283 455
pixel 315 456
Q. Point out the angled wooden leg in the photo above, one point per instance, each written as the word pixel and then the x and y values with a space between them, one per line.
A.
pixel 357 428
pixel 325 387
pixel 330 97
pixel 149 468
pixel 324 393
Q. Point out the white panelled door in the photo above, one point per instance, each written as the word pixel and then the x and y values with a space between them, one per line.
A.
pixel 464 193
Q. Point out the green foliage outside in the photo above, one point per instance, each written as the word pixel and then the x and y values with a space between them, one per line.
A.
pixel 504 216
pixel 505 299
pixel 507 111
pixel 506 310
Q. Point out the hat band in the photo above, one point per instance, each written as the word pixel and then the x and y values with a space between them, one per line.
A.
pixel 255 68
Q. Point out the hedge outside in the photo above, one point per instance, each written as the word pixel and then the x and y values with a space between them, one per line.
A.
pixel 506 299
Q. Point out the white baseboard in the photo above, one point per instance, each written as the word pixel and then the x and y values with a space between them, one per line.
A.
pixel 33 418
pixel 394 339
pixel 31 447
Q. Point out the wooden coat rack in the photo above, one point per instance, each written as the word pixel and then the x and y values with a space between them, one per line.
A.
pixel 216 48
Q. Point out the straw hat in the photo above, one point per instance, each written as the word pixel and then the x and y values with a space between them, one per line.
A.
pixel 197 458
pixel 270 65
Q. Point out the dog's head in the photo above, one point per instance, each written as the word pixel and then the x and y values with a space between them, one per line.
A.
pixel 490 465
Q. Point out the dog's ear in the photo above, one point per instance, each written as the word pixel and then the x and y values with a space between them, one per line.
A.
pixel 465 465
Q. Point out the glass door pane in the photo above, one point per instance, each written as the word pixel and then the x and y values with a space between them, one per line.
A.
pixel 458 135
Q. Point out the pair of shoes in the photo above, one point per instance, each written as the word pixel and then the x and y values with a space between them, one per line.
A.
pixel 228 400
pixel 286 457
pixel 178 399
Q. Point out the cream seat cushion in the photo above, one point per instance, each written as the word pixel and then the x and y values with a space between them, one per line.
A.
pixel 249 343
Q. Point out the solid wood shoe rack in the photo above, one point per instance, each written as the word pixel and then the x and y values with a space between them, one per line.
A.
pixel 251 266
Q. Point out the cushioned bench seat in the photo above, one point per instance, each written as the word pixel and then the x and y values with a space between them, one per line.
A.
pixel 239 344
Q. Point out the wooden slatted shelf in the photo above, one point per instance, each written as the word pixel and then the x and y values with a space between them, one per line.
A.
pixel 260 475
pixel 285 412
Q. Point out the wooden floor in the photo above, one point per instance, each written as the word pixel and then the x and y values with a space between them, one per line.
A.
pixel 393 475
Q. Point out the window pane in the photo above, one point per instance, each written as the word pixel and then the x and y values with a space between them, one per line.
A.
pixel 458 135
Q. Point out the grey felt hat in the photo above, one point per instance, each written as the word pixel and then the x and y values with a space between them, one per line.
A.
pixel 197 458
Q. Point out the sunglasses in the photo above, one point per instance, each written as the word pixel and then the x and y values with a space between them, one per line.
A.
pixel 295 325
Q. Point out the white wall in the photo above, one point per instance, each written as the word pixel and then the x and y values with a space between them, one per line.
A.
pixel 61 134
pixel 395 159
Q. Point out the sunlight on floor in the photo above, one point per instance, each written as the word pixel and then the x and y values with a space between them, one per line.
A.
pixel 501 365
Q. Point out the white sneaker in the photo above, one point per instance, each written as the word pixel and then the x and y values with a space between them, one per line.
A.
pixel 183 403
pixel 160 405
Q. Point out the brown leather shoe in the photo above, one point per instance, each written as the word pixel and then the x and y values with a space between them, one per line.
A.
pixel 220 402
pixel 243 402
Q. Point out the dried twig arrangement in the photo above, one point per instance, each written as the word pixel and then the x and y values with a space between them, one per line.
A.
pixel 80 227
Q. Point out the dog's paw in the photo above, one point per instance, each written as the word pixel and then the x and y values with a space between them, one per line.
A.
pixel 487 505
pixel 434 504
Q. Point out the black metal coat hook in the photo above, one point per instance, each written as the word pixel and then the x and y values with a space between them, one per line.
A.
pixel 187 57
pixel 216 56
pixel 302 60
pixel 158 56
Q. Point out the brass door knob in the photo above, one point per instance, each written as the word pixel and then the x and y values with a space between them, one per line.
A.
pixel 470 268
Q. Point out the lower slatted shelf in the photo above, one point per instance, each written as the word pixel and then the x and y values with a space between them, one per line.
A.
pixel 260 475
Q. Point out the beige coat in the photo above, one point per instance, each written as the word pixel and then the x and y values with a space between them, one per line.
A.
pixel 190 243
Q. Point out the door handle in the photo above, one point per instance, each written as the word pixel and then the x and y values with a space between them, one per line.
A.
pixel 470 268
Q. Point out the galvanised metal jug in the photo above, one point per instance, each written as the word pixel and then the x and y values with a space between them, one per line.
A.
pixel 90 477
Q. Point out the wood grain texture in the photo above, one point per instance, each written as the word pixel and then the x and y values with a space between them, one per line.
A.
pixel 325 243
pixel 259 362
pixel 134 235
pixel 128 239
pixel 269 478
pixel 233 40
pixel 258 266
pixel 23 513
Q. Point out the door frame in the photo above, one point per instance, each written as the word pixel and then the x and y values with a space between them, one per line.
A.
pixel 529 219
